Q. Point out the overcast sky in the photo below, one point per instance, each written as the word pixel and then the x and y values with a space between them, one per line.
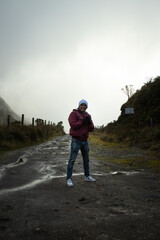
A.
pixel 53 53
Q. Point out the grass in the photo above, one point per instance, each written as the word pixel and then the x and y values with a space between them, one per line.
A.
pixel 97 139
pixel 12 138
pixel 138 162
pixel 122 154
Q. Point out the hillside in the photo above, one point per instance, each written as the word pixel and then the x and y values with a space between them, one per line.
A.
pixel 5 110
pixel 143 126
pixel 146 104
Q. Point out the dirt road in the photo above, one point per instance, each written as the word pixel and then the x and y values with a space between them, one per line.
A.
pixel 36 204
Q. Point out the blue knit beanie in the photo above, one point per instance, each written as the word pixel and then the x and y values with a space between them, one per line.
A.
pixel 83 101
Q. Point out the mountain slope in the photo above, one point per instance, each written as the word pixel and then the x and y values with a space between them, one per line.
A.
pixel 142 127
pixel 146 104
pixel 5 110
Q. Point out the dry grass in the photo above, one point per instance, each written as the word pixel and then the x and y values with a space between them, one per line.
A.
pixel 22 136
pixel 123 154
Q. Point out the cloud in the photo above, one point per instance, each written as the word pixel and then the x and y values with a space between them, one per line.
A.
pixel 54 53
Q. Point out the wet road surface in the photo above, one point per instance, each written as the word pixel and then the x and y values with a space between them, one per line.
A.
pixel 36 204
pixel 43 163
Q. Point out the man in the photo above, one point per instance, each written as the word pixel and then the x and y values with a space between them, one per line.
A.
pixel 81 124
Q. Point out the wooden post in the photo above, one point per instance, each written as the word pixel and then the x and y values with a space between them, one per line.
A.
pixel 22 119
pixel 151 125
pixel 32 121
pixel 45 123
pixel 8 120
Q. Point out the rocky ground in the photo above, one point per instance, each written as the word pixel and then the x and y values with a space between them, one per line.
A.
pixel 36 204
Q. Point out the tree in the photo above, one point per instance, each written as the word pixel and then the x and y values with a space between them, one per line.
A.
pixel 59 124
pixel 128 90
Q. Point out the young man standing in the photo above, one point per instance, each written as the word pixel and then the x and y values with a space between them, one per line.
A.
pixel 80 126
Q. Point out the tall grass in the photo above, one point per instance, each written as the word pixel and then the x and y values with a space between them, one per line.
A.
pixel 20 136
pixel 145 137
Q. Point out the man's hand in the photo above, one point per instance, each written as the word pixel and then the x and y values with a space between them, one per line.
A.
pixel 87 120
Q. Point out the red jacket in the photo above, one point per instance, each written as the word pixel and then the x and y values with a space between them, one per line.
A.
pixel 78 130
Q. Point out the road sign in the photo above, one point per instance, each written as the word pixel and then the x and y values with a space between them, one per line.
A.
pixel 129 110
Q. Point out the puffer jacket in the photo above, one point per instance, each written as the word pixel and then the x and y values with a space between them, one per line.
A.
pixel 78 129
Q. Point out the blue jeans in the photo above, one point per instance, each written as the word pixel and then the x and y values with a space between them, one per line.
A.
pixel 77 145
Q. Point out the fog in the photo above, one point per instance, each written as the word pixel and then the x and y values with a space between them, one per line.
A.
pixel 56 52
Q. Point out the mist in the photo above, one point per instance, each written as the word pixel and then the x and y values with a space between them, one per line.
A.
pixel 54 53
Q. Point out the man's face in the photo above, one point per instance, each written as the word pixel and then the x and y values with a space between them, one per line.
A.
pixel 82 107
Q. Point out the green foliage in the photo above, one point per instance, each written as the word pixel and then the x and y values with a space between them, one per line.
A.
pixel 146 103
pixel 142 127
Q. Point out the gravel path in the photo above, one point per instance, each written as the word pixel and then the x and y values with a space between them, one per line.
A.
pixel 124 202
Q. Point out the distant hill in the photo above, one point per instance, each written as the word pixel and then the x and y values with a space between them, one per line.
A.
pixel 5 110
pixel 142 127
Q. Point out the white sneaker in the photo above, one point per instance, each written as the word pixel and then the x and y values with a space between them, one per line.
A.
pixel 90 179
pixel 69 182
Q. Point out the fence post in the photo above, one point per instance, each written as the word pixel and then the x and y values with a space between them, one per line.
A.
pixel 32 121
pixel 8 120
pixel 151 125
pixel 22 119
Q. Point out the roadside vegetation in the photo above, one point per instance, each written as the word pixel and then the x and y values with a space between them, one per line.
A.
pixel 142 128
pixel 15 137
